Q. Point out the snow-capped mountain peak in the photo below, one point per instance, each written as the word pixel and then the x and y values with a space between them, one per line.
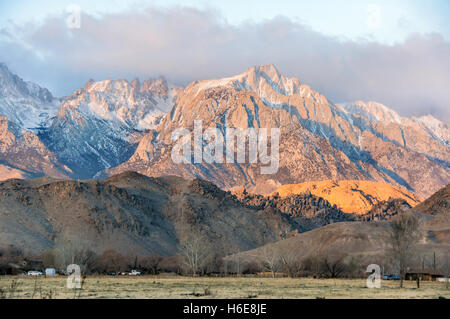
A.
pixel 137 105
pixel 266 81
pixel 257 78
pixel 25 103
pixel 98 125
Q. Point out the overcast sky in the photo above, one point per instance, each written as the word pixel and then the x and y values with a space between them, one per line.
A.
pixel 393 52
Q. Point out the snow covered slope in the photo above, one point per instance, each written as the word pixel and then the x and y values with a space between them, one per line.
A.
pixel 25 103
pixel 98 126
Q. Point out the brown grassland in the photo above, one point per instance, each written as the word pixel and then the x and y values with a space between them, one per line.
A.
pixel 204 287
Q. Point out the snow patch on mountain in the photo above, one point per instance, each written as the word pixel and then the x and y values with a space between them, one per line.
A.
pixel 435 127
pixel 373 111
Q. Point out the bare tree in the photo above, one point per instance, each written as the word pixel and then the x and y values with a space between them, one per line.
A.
pixel 10 258
pixel 270 259
pixel 216 263
pixel 310 265
pixel 151 263
pixel 237 261
pixel 447 271
pixel 290 261
pixel 225 266
pixel 48 259
pixel 332 265
pixel 403 235
pixel 112 261
pixel 10 254
pixel 196 252
pixel 73 251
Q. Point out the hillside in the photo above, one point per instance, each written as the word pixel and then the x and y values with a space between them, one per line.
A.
pixel 134 213
pixel 366 241
pixel 438 204
pixel 351 196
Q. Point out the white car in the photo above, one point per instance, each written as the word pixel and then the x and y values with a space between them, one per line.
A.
pixel 135 273
pixel 34 273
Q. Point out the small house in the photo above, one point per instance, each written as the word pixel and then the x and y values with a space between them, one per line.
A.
pixel 50 272
pixel 424 274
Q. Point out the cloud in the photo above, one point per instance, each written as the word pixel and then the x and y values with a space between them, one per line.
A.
pixel 186 44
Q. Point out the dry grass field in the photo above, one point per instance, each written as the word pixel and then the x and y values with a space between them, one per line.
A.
pixel 185 287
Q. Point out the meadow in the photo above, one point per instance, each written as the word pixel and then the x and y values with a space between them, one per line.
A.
pixel 205 287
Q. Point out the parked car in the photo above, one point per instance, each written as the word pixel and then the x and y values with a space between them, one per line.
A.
pixel 134 273
pixel 387 277
pixel 34 273
pixel 395 277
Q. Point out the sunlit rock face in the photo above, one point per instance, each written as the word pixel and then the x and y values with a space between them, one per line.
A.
pixel 319 140
pixel 23 155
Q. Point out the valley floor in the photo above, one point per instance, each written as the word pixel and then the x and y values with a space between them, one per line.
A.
pixel 185 287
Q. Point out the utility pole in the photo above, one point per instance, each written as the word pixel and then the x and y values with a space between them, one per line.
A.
pixel 434 260
pixel 447 275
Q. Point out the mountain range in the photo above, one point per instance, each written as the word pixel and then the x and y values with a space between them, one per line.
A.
pixel 113 126
pixel 319 140
pixel 141 215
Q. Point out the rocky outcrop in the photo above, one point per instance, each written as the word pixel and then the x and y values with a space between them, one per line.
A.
pixel 385 210
pixel 352 196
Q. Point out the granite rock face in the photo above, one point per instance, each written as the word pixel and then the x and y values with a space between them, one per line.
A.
pixel 385 210
pixel 23 155
pixel 319 140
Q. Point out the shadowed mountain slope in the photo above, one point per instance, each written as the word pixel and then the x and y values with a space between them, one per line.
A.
pixel 138 214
